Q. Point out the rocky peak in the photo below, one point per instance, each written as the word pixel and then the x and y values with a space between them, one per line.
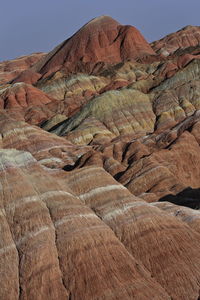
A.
pixel 101 40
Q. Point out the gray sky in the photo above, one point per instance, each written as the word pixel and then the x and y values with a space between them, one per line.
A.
pixel 28 26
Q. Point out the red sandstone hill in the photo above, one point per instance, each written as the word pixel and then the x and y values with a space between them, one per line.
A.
pixel 102 40
pixel 184 38
pixel 95 139
pixel 12 68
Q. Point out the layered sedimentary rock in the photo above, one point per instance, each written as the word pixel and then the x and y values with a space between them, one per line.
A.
pixel 119 112
pixel 100 168
pixel 101 40
pixel 12 68
pixel 49 236
pixel 142 229
pixel 28 103
pixel 185 214
pixel 75 91
pixel 186 37
pixel 48 149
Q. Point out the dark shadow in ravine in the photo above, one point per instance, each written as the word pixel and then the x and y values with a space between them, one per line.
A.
pixel 188 197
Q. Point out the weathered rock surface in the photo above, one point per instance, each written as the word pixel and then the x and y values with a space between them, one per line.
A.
pixel 12 68
pixel 185 214
pixel 141 228
pixel 111 114
pixel 100 168
pixel 186 37
pixel 101 40
pixel 49 236
pixel 48 149
pixel 28 103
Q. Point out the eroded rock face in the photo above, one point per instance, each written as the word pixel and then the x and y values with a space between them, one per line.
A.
pixel 134 220
pixel 28 103
pixel 186 37
pixel 101 40
pixel 119 112
pixel 12 68
pixel 100 168
pixel 51 233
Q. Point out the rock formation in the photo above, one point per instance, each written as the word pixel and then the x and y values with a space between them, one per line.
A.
pixel 186 37
pixel 102 40
pixel 100 168
pixel 12 68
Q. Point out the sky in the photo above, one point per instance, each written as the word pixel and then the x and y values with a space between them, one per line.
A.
pixel 28 26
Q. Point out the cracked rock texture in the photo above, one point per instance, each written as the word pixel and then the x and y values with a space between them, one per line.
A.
pixel 100 168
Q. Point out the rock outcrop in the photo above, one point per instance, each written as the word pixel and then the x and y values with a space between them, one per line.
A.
pixel 188 36
pixel 12 68
pixel 49 236
pixel 28 103
pixel 101 41
pixel 100 168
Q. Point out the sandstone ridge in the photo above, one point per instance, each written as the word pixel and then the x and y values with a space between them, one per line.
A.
pixel 100 168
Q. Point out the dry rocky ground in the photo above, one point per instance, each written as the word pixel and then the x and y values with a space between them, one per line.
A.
pixel 100 168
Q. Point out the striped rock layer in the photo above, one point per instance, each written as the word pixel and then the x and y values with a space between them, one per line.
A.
pixel 100 168
pixel 11 68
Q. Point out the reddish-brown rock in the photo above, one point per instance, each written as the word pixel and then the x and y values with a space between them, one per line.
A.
pixel 101 40
pixel 184 38
pixel 83 211
pixel 28 103
pixel 48 149
pixel 12 68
